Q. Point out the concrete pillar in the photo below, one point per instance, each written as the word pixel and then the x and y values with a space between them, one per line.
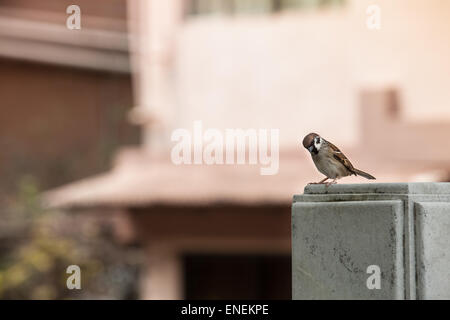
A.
pixel 153 28
pixel 346 237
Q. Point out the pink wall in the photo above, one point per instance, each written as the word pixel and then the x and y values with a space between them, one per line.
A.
pixel 303 71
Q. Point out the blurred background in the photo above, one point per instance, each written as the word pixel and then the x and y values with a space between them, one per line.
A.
pixel 87 115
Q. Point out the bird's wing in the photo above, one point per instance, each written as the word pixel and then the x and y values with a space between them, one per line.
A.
pixel 338 155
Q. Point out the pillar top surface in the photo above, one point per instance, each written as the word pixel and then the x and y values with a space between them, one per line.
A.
pixel 381 188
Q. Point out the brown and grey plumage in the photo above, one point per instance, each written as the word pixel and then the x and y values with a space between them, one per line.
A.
pixel 329 160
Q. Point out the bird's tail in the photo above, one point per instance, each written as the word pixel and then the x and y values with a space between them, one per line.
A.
pixel 363 174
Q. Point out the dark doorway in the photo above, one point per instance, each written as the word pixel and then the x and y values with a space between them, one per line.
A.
pixel 237 276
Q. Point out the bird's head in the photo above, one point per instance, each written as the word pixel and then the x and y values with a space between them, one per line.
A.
pixel 312 142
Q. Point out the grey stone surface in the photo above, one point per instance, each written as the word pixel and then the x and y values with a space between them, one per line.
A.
pixel 335 243
pixel 433 250
pixel 380 188
pixel 403 228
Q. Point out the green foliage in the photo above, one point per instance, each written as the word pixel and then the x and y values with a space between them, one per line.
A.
pixel 38 245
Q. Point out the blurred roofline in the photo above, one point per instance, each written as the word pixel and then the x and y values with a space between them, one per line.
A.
pixel 45 42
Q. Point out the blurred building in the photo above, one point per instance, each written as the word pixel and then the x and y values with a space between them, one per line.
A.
pixel 64 93
pixel 223 231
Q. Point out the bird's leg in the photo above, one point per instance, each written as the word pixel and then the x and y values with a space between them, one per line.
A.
pixel 320 182
pixel 331 182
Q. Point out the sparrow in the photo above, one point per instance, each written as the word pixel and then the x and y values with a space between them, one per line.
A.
pixel 329 160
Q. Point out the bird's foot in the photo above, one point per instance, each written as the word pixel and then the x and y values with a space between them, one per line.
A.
pixel 320 182
pixel 331 182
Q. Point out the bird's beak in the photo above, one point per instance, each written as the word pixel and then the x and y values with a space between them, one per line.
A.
pixel 310 148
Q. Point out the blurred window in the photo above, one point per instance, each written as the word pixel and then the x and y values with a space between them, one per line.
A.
pixel 237 277
pixel 231 7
